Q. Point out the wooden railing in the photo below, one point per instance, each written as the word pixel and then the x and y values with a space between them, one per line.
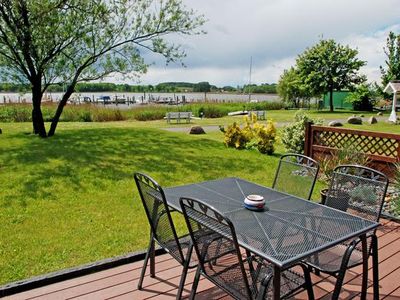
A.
pixel 383 149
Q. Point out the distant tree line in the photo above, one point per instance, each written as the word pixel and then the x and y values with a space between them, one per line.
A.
pixel 165 87
pixel 263 88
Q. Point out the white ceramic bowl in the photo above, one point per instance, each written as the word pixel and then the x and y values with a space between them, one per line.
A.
pixel 255 198
pixel 254 203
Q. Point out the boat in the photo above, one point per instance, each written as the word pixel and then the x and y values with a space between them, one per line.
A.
pixel 238 113
pixel 103 99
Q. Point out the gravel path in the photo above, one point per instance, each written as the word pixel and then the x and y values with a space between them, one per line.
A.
pixel 208 128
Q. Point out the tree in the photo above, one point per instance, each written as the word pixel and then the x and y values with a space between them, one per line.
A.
pixel 203 87
pixel 363 97
pixel 45 42
pixel 291 89
pixel 392 62
pixel 228 88
pixel 329 66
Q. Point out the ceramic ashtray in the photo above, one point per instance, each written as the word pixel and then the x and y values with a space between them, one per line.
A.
pixel 254 202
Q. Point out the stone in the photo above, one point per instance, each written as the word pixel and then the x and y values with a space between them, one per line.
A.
pixel 379 113
pixel 372 120
pixel 197 130
pixel 335 124
pixel 354 120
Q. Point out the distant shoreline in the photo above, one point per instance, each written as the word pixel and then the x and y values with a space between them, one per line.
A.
pixel 145 97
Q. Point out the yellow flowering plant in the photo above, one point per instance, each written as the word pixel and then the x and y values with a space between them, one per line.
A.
pixel 252 135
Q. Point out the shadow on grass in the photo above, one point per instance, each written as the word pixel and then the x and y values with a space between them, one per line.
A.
pixel 84 158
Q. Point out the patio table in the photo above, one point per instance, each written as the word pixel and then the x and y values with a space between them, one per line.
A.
pixel 287 231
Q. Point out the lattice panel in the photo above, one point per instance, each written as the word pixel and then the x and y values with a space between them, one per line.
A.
pixel 361 143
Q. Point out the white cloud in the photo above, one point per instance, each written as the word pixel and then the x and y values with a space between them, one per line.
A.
pixel 370 49
pixel 274 32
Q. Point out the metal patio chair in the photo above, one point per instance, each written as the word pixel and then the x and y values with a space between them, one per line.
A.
pixel 241 276
pixel 360 191
pixel 296 175
pixel 162 228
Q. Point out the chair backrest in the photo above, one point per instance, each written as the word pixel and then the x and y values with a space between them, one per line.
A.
pixel 358 190
pixel 296 175
pixel 213 237
pixel 158 214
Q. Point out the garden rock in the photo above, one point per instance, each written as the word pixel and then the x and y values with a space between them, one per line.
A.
pixel 335 124
pixel 379 113
pixel 197 130
pixel 372 120
pixel 354 120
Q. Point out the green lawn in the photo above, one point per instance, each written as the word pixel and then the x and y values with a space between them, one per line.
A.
pixel 71 199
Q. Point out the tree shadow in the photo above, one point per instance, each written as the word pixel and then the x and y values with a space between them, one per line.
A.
pixel 84 158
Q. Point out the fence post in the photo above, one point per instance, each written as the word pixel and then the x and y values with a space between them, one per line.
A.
pixel 398 151
pixel 308 139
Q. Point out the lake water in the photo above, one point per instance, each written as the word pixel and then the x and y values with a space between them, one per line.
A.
pixel 144 97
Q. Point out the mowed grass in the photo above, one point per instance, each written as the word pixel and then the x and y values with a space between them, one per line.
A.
pixel 71 199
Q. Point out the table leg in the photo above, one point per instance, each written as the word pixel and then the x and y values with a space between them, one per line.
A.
pixel 277 283
pixel 375 266
pixel 364 286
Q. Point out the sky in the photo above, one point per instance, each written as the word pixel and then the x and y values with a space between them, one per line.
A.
pixel 273 33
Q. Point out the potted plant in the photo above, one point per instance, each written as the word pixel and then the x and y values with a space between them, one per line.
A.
pixel 338 199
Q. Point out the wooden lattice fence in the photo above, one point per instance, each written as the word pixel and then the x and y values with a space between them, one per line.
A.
pixel 383 149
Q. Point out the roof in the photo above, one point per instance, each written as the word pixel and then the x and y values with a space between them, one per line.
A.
pixel 392 87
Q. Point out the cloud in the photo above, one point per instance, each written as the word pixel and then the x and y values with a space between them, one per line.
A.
pixel 273 33
pixel 370 47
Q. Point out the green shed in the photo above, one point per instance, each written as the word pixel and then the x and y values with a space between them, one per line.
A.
pixel 339 100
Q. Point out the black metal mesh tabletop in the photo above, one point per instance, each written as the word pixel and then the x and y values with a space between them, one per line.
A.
pixel 288 230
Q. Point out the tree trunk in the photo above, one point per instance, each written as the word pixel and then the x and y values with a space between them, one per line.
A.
pixel 60 107
pixel 331 99
pixel 37 117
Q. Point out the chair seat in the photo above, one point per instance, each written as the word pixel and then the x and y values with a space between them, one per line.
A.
pixel 172 248
pixel 186 243
pixel 329 261
pixel 226 275
pixel 291 280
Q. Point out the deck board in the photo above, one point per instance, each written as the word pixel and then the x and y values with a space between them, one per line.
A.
pixel 121 282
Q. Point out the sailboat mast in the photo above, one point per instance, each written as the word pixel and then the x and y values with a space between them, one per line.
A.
pixel 251 65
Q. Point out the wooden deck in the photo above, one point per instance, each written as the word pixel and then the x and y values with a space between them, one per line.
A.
pixel 121 282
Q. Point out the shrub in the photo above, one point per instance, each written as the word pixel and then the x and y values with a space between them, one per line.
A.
pixel 393 205
pixel 70 114
pixel 346 156
pixel 86 116
pixel 364 194
pixel 107 115
pixel 363 98
pixel 89 113
pixel 148 115
pixel 293 135
pixel 252 135
pixel 212 111
pixel 265 136
pixel 275 105
pixel 235 137
pixel 15 113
